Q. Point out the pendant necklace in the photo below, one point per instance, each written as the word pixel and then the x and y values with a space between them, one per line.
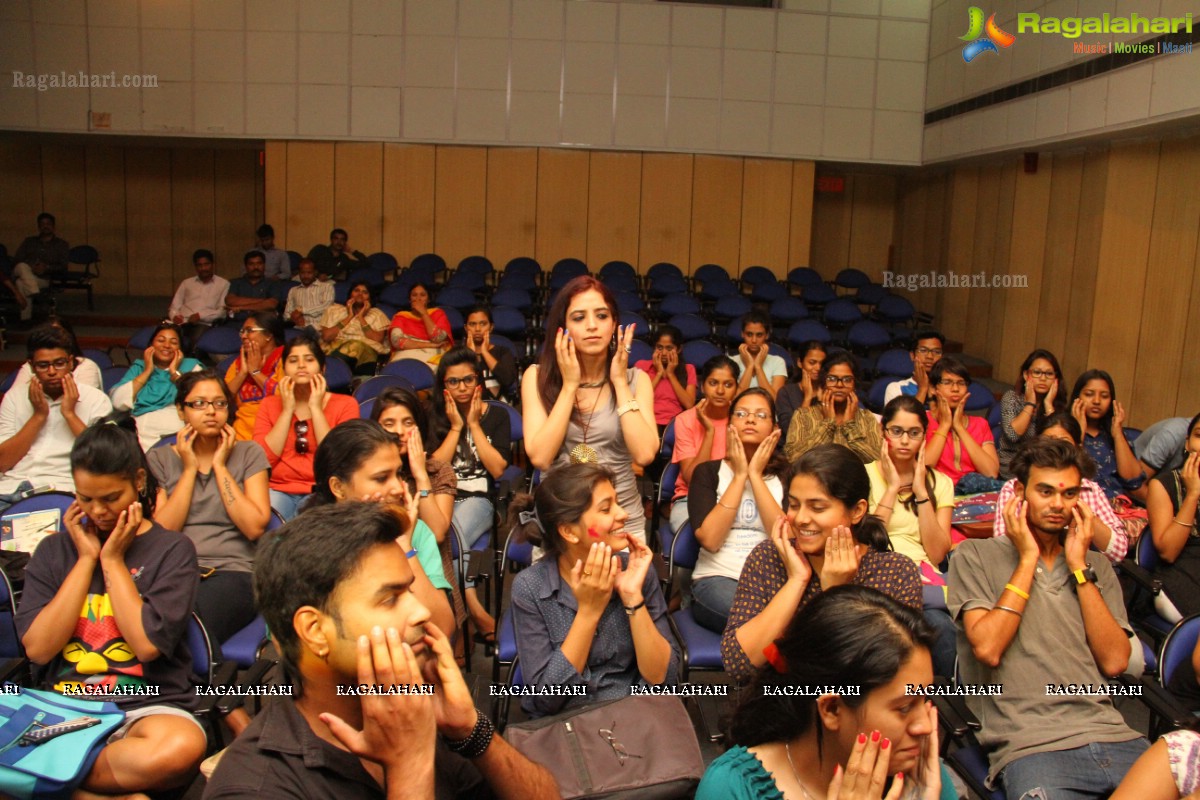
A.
pixel 787 748
pixel 583 453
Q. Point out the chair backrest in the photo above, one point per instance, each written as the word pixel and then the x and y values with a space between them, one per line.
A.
pixel 642 327
pixel 1178 647
pixel 674 304
pixel 338 375
pixel 111 376
pixel 806 330
pixel 507 343
pixel 619 270
pixel 370 388
pixel 868 335
pixel 141 340
pixel 851 278
pixel 166 441
pixel 818 293
pixel 896 362
pixel 516 426
pixel 201 646
pixel 428 265
pixel 640 351
pixel 692 326
pixel 101 358
pixel 219 340
pixel 509 321
pixel 804 276
pixel 685 549
pixel 476 265
pixel 707 273
pixel 10 640
pixel 894 308
pixel 753 276
pixel 788 309
pixel 768 292
pixel 981 398
pixel 383 262
pixel 698 351
pixel 842 311
pixel 83 254
pixel 1146 556
pixel 663 269
pixel 512 297
pixel 418 373
pixel 458 297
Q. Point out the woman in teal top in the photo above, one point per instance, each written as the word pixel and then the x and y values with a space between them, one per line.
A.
pixel 794 741
pixel 148 388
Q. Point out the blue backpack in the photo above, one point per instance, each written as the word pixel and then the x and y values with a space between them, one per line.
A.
pixel 54 767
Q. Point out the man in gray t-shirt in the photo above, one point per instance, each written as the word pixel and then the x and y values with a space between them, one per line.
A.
pixel 1042 616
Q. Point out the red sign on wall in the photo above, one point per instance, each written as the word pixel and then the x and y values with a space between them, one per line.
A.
pixel 830 183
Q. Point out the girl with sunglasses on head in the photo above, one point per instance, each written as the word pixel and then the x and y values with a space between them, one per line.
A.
pixel 105 609
pixel 148 387
pixel 838 418
pixel 293 422
pixel 916 502
pixel 213 488
pixel 732 504
pixel 825 538
pixel 474 438
pixel 1039 393
pixel 258 368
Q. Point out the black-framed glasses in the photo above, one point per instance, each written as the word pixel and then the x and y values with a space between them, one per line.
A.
pixel 1042 373
pixel 58 364
pixel 953 384
pixel 896 432
pixel 248 331
pixel 929 351
pixel 839 380
pixel 301 428
pixel 200 405
pixel 466 380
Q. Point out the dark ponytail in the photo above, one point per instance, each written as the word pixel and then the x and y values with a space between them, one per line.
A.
pixel 342 452
pixel 110 447
pixel 562 497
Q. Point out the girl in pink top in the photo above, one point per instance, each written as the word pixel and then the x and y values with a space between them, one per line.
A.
pixel 700 431
pixel 674 381
pixel 957 443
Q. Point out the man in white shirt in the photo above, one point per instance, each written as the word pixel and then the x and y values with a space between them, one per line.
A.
pixel 757 365
pixel 199 302
pixel 925 353
pixel 306 303
pixel 38 426
pixel 278 265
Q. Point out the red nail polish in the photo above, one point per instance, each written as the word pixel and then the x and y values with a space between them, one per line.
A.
pixel 862 738
pixel 900 777
pixel 885 744
pixel 875 736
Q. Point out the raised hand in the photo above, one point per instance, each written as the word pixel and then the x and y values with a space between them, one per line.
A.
pixel 744 354
pixel 173 367
pixel 397 728
pixel 1191 474
pixel 82 531
pixel 866 772
pixel 455 419
pixel 123 534
pixel 1118 420
pixel 851 408
pixel 592 581
pixel 828 410
pixel 1030 392
pixel 287 394
pixel 735 454
pixel 1078 412
pixel 887 469
pixel 932 767
pixel 841 558
pixel 921 377
pixel 944 415
pixel 37 399
pixel 619 368
pixel 475 409
pixel 796 564
pixel 225 446
pixel 453 706
pixel 416 455
pixel 1079 536
pixel 317 389
pixel 568 361
pixel 960 415
pixel 1016 522
pixel 629 581
pixel 254 355
pixel 70 395
pixel 148 360
pixel 762 456
pixel 705 422
pixel 1048 403
pixel 918 479
pixel 806 386
pixel 185 447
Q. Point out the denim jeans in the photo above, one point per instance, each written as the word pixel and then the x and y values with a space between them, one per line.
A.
pixel 472 518
pixel 711 600
pixel 286 505
pixel 1082 773
pixel 944 648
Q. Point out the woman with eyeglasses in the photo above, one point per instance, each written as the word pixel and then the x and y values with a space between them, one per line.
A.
pixel 838 418
pixel 256 371
pixel 733 502
pixel 1023 408
pixel 915 503
pixel 474 438
pixel 293 422
pixel 213 488
pixel 148 388
pixel 955 442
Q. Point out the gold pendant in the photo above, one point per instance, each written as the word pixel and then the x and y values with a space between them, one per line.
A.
pixel 584 453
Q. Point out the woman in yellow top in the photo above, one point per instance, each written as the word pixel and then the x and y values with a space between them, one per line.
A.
pixel 355 332
pixel 257 370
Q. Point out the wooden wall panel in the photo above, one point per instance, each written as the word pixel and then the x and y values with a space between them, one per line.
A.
pixel 1058 262
pixel 237 197
pixel 1002 266
pixel 963 199
pixel 833 214
pixel 1094 186
pixel 460 202
pixel 665 229
pixel 801 236
pixel 193 213
pixel 872 224
pixel 1162 342
pixel 937 240
pixel 716 212
pixel 105 197
pixel 21 200
pixel 275 191
pixel 975 336
pixel 64 191
pixel 147 222
pixel 562 205
pixel 511 204
pixel 1122 269
pixel 766 214
pixel 408 181
pixel 310 191
pixel 614 207
pixel 1187 401
pixel 358 194
pixel 1027 250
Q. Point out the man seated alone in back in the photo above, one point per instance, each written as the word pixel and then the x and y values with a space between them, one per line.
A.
pixel 925 353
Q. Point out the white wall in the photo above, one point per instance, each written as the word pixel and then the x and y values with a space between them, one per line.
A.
pixel 822 79
pixel 1157 90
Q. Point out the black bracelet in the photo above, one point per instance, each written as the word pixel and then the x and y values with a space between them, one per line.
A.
pixel 631 610
pixel 478 742
pixel 917 502
pixel 1030 404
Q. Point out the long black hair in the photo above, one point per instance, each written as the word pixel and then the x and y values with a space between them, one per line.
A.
pixel 1060 401
pixel 913 406
pixel 1105 423
pixel 844 478
pixel 109 446
pixel 439 423
pixel 676 337
pixel 549 378
pixel 848 635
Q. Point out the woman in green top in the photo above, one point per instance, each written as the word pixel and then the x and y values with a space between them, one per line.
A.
pixel 148 387
pixel 865 648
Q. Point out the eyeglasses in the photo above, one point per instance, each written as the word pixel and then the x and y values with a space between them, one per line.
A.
pixel 1042 373
pixel 58 364
pixel 248 331
pixel 929 351
pixel 200 405
pixel 609 735
pixel 742 413
pixel 839 380
pixel 896 432
pixel 467 381
pixel 301 428
pixel 953 384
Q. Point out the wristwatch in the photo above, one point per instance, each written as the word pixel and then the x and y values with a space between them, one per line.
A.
pixel 1082 576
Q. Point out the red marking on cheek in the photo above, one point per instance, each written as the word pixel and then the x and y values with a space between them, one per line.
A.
pixel 592 533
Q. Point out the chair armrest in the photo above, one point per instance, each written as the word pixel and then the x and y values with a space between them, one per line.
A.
pixel 14 670
pixel 1139 575
pixel 1160 702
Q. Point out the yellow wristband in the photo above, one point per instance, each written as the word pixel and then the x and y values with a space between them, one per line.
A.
pixel 1019 592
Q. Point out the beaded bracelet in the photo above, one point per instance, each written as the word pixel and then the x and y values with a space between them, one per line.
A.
pixel 478 742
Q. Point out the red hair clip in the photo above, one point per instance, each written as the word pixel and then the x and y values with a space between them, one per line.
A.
pixel 775 658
